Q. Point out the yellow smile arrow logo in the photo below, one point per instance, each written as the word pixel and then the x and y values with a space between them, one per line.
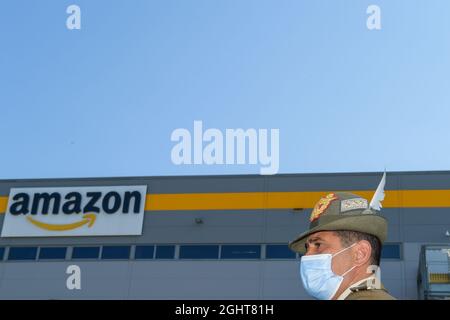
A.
pixel 88 219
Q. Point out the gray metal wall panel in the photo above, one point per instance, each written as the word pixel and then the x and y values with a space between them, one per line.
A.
pixel 281 234
pixel 425 180
pixel 411 252
pixel 210 218
pixel 426 216
pixel 411 270
pixel 168 280
pixel 411 292
pixel 287 218
pixel 330 182
pixel 200 279
pixel 425 233
pixel 193 234
pixel 392 215
pixel 391 270
pixel 256 226
pixel 255 183
pixel 208 184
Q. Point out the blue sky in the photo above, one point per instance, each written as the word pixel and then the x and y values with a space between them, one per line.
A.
pixel 104 100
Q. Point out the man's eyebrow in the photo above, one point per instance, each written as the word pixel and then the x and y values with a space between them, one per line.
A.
pixel 314 239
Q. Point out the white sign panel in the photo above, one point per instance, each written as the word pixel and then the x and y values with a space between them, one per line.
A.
pixel 77 211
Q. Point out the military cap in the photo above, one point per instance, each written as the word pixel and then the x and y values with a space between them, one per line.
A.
pixel 340 211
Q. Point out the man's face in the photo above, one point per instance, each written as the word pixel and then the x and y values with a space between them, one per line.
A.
pixel 328 242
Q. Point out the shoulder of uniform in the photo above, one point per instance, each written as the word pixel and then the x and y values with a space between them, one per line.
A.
pixel 366 291
pixel 369 294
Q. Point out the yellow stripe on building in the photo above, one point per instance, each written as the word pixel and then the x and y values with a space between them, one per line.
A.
pixel 279 200
pixel 3 204
pixel 286 200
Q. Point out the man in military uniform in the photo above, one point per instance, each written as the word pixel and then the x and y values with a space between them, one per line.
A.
pixel 342 249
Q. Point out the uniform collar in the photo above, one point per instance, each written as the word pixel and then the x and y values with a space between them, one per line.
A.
pixel 355 287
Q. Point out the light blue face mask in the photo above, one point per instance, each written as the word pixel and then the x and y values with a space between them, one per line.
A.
pixel 318 278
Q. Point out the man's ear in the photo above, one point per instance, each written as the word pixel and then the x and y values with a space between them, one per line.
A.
pixel 362 253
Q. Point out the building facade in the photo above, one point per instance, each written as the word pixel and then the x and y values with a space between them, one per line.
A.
pixel 200 237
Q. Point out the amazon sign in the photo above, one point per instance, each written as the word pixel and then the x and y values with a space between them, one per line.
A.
pixel 78 211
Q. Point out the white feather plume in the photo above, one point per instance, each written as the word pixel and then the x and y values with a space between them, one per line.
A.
pixel 375 203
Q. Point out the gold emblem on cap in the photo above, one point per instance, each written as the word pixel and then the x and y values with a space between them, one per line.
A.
pixel 322 205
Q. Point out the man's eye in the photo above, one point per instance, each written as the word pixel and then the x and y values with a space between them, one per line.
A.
pixel 317 245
